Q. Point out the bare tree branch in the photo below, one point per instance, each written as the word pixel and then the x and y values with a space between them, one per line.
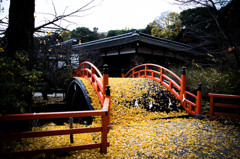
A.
pixel 54 8
pixel 85 7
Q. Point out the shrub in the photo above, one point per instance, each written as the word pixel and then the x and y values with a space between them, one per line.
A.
pixel 16 83
pixel 213 80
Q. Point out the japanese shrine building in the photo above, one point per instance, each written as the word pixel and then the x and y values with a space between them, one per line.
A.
pixel 128 50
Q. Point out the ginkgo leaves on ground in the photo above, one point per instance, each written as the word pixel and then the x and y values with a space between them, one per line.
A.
pixel 140 132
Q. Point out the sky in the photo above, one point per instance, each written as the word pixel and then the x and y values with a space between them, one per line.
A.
pixel 106 15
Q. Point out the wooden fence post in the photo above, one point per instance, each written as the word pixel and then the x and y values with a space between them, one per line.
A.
pixel 105 78
pixel 146 71
pixel 161 75
pixel 109 107
pixel 123 73
pixel 84 69
pixel 71 126
pixel 92 74
pixel 183 84
pixel 199 99
pixel 133 73
pixel 103 148
pixel 211 108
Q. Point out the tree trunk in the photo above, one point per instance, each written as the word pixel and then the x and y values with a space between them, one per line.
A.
pixel 21 27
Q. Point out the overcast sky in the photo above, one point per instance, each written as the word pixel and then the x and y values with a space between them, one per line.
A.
pixel 107 15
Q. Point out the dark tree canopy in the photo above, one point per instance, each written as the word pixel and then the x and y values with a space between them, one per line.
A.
pixel 198 19
pixel 83 34
pixel 217 17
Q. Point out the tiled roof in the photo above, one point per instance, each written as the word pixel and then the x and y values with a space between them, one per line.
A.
pixel 130 38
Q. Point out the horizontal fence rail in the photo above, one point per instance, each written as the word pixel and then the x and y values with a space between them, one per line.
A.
pixel 177 86
pixel 99 82
pixel 55 115
pixel 212 104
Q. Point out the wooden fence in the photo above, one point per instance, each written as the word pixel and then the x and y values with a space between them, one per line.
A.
pixel 99 82
pixel 212 104
pixel 52 115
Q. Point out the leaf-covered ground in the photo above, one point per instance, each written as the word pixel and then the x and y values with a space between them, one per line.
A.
pixel 140 133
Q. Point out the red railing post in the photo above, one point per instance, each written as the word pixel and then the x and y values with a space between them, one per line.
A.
pixel 105 122
pixel 183 85
pixel 84 69
pixel 133 73
pixel 161 75
pixel 211 108
pixel 105 78
pixel 92 74
pixel 123 73
pixel 109 106
pixel 199 99
pixel 104 144
pixel 145 71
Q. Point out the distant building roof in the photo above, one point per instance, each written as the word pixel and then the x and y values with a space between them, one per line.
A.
pixel 131 38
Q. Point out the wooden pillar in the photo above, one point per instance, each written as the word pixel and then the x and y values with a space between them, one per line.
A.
pixel 109 107
pixel 161 75
pixel 183 85
pixel 84 69
pixel 146 71
pixel 199 99
pixel 105 78
pixel 71 126
pixel 92 74
pixel 123 73
pixel 211 108
pixel 103 148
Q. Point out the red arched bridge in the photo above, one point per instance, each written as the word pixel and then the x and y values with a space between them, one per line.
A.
pixel 176 85
pixel 155 72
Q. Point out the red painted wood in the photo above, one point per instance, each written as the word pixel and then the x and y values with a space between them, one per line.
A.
pixel 51 115
pixel 224 95
pixel 143 71
pixel 104 144
pixel 211 108
pixel 212 104
pixel 226 105
pixel 55 150
pixel 30 134
pixel 91 73
pixel 226 115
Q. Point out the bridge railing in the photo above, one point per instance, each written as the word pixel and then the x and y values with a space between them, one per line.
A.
pixel 104 128
pixel 213 104
pixel 177 87
pixel 99 81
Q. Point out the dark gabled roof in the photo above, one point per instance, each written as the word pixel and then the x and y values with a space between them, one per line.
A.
pixel 130 38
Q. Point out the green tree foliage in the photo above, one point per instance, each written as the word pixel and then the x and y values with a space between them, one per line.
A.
pixel 16 83
pixel 146 30
pixel 218 17
pixel 166 26
pixel 198 19
pixel 65 35
pixel 116 32
pixel 83 34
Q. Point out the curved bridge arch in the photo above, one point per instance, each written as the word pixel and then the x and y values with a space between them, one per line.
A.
pixel 77 99
pixel 75 88
pixel 92 74
pixel 177 88
pixel 99 82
